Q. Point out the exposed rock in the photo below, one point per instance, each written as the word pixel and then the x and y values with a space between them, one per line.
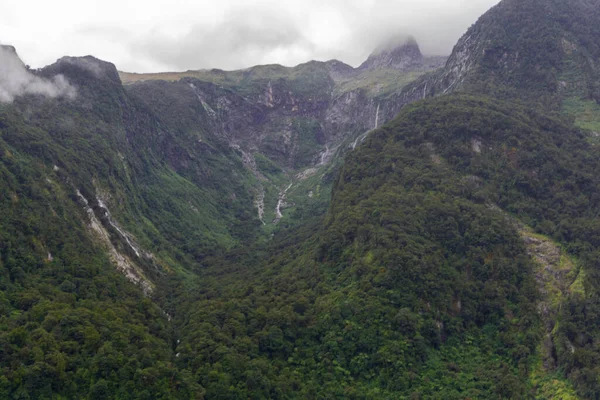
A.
pixel 338 69
pixel 555 275
pixel 100 69
pixel 476 144
pixel 402 54
pixel 121 260
pixel 296 117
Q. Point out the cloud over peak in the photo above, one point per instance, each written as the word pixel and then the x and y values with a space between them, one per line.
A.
pixel 16 80
pixel 143 36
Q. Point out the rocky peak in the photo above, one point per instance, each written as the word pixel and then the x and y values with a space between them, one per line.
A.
pixel 338 69
pixel 9 54
pixel 8 48
pixel 399 53
pixel 99 69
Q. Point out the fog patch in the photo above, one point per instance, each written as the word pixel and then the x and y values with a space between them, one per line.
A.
pixel 249 36
pixel 16 80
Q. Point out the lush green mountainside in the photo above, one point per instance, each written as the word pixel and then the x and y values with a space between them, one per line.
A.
pixel 71 325
pixel 418 283
pixel 535 46
pixel 133 182
pixel 97 191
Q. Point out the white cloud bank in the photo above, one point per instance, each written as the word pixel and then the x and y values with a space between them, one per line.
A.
pixel 16 80
pixel 159 35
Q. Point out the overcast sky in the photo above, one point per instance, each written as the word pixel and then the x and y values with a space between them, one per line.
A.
pixel 175 35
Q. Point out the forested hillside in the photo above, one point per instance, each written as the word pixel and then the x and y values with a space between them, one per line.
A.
pixel 88 198
pixel 418 283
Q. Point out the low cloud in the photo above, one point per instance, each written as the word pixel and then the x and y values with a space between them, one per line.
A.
pixel 248 36
pixel 284 32
pixel 230 34
pixel 16 80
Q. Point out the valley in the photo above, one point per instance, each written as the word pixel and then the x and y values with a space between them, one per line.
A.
pixel 292 129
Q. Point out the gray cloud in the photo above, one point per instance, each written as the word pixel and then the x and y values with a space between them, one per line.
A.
pixel 247 37
pixel 16 80
pixel 267 34
pixel 230 34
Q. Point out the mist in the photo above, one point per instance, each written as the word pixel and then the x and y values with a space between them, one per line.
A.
pixel 16 80
pixel 345 30
pixel 230 34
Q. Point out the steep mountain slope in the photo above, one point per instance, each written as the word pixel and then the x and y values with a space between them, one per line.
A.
pixel 288 124
pixel 418 283
pixel 112 148
pixel 536 45
pixel 101 185
pixel 541 51
pixel 97 189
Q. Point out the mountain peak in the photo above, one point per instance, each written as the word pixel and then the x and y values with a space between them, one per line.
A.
pixel 10 52
pixel 8 48
pixel 400 52
pixel 91 65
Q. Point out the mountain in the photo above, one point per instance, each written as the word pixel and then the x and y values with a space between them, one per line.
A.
pixel 112 194
pixel 447 232
pixel 290 126
pixel 390 231
pixel 535 46
pixel 542 51
pixel 402 54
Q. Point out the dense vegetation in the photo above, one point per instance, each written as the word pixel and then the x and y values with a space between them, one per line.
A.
pixel 539 46
pixel 417 285
pixel 413 285
pixel 71 325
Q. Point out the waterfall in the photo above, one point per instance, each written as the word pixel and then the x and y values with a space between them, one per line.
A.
pixel 362 137
pixel 281 203
pixel 325 156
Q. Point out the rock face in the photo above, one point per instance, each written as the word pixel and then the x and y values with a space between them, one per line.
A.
pixel 555 275
pixel 300 119
pixel 289 115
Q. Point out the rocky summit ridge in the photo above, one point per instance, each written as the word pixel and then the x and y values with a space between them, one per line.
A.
pixel 402 54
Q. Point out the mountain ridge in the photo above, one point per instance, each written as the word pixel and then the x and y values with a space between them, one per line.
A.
pixel 408 48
